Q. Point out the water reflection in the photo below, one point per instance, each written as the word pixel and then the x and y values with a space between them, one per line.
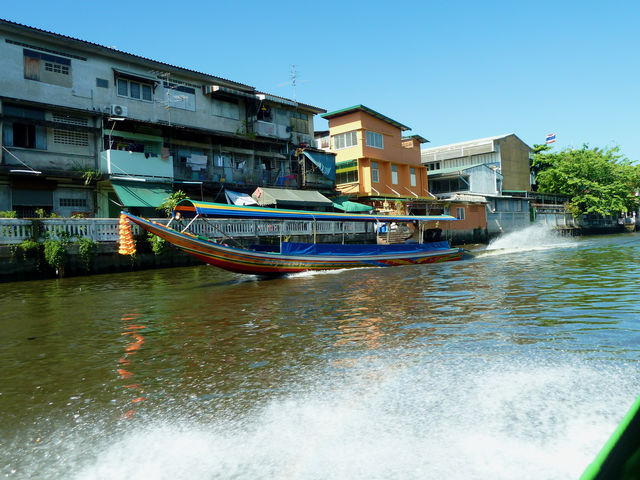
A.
pixel 132 330
pixel 354 374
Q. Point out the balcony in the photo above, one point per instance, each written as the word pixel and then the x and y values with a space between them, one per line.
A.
pixel 122 162
pixel 273 130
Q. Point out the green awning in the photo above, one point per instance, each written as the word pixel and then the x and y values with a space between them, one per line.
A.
pixel 141 194
pixel 341 203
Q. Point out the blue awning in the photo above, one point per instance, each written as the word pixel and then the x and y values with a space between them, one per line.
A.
pixel 324 161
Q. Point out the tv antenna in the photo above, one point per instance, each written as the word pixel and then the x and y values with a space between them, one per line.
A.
pixel 293 81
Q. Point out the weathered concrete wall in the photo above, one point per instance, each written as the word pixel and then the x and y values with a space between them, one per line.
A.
pixel 15 267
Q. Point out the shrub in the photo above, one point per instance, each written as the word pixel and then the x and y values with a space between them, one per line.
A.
pixel 171 201
pixel 87 250
pixel 158 245
pixel 55 252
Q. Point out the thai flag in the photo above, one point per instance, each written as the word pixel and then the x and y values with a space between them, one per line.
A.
pixel 551 138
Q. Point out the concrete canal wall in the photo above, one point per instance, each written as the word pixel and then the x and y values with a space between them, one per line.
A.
pixel 21 258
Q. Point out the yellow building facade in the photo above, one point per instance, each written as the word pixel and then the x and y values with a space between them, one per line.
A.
pixel 374 162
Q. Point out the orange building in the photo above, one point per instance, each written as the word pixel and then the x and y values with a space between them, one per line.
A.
pixel 374 162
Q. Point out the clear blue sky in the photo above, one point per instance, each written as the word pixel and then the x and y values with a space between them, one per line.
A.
pixel 450 70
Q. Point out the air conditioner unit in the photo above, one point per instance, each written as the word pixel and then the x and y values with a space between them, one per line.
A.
pixel 119 110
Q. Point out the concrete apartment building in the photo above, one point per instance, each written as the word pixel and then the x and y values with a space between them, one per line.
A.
pixel 493 171
pixel 87 129
pixel 375 164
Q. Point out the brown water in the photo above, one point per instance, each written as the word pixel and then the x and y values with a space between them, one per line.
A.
pixel 517 363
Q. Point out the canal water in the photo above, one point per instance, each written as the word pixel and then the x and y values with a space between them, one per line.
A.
pixel 515 363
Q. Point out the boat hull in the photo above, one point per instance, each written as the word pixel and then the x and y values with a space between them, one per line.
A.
pixel 268 263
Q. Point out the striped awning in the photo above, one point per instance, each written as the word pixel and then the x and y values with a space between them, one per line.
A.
pixel 190 208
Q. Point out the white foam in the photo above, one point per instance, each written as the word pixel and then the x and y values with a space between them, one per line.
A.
pixel 449 419
pixel 535 237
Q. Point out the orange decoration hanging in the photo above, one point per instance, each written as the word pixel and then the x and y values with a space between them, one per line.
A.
pixel 127 245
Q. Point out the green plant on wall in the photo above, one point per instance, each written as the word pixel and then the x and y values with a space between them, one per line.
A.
pixel 9 214
pixel 87 250
pixel 55 252
pixel 88 174
pixel 31 249
pixel 158 245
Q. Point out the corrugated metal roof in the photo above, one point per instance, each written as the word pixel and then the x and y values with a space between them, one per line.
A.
pixel 279 196
pixel 288 101
pixel 116 51
pixel 464 197
pixel 446 171
pixel 468 143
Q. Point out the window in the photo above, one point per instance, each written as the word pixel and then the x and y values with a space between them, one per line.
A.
pixel 345 140
pixel 412 175
pixel 226 109
pixel 394 174
pixel 102 83
pixel 374 139
pixel 24 136
pixel 347 172
pixel 134 90
pixel 180 96
pixel 47 68
pixel 375 174
pixel 264 113
pixel 21 129
pixel 433 166
pixel 73 202
pixel 460 213
pixel 299 122
pixel 322 142
pixel 56 68
pixel 71 120
pixel 123 87
pixel 137 90
pixel 68 137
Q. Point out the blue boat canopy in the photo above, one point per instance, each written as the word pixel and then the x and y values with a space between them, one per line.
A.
pixel 191 208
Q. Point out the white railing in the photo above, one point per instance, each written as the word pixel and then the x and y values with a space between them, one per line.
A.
pixel 13 230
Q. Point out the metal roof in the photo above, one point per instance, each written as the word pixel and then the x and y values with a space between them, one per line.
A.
pixel 279 196
pixel 288 101
pixel 446 171
pixel 416 137
pixel 85 43
pixel 468 143
pixel 362 108
pixel 205 76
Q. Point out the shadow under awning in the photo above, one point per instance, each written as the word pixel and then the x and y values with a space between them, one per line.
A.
pixel 141 194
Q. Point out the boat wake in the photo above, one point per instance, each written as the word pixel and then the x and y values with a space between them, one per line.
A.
pixel 454 418
pixel 535 237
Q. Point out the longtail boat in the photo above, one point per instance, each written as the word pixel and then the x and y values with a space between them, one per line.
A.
pixel 293 257
pixel 620 456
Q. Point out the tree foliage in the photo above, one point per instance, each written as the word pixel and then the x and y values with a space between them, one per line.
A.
pixel 171 201
pixel 596 181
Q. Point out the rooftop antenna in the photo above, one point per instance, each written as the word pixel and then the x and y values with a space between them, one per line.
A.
pixel 293 81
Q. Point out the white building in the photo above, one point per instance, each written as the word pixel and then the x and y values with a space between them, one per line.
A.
pixel 494 169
